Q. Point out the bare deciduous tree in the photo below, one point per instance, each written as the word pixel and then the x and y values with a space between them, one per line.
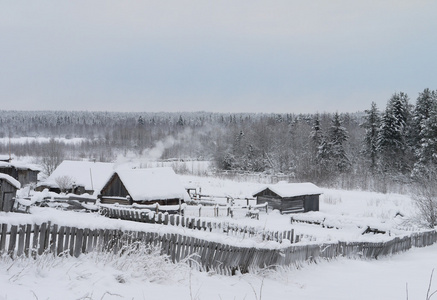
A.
pixel 425 197
pixel 64 182
pixel 53 155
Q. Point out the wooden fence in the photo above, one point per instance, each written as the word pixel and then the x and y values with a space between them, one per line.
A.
pixel 68 202
pixel 32 240
pixel 195 223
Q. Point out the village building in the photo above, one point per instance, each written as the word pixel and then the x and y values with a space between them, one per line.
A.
pixel 290 197
pixel 8 191
pixel 78 177
pixel 24 173
pixel 144 186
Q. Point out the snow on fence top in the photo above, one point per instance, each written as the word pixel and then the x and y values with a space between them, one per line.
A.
pixel 152 184
pixel 91 175
pixel 292 189
pixel 11 180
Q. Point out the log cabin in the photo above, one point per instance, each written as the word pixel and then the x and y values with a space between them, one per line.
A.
pixel 144 186
pixel 290 197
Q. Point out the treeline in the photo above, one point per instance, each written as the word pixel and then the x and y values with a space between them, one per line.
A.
pixel 374 150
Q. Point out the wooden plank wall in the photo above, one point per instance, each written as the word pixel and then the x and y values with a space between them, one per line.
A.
pixel 196 223
pixel 32 239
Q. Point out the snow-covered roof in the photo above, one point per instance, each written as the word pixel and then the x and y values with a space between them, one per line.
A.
pixel 19 166
pixel 4 157
pixel 11 180
pixel 152 184
pixel 91 175
pixel 292 189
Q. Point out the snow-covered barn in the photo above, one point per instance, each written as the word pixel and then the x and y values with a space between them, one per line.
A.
pixel 8 191
pixel 144 186
pixel 24 173
pixel 290 197
pixel 78 177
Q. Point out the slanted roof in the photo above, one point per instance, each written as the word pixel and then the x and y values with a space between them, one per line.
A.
pixel 152 184
pixel 4 158
pixel 286 190
pixel 20 166
pixel 91 175
pixel 11 180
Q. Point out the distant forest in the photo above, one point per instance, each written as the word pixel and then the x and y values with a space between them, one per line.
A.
pixel 376 149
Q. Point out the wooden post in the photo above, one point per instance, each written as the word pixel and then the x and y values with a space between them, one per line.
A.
pixel 60 248
pixel 21 233
pixel 53 240
pixel 42 238
pixel 27 241
pixel 3 238
pixel 12 240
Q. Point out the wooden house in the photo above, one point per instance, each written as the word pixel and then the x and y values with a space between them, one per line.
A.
pixel 144 186
pixel 8 191
pixel 290 197
pixel 78 177
pixel 24 173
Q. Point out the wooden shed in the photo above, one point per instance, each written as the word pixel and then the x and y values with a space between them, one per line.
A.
pixel 290 197
pixel 144 186
pixel 8 191
pixel 25 174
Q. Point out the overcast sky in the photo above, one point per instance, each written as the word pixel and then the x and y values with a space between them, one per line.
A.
pixel 221 56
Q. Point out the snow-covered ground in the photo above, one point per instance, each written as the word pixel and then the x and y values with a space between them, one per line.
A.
pixel 95 276
pixel 349 212
pixel 149 276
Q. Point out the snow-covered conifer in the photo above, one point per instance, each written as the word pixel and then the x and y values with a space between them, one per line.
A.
pixel 371 125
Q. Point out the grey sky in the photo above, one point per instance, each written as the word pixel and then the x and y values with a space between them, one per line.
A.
pixel 223 56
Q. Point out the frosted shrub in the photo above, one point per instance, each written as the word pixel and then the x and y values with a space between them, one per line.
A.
pixel 374 202
pixel 141 261
pixel 425 200
pixel 330 199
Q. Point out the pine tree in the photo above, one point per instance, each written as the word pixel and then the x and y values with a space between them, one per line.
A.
pixel 140 121
pixel 392 143
pixel 372 123
pixel 316 133
pixel 425 121
pixel 318 147
pixel 338 136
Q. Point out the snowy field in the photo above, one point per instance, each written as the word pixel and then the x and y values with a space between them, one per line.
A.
pixel 150 276
pixel 99 277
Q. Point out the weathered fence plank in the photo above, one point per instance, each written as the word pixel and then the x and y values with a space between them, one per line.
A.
pixel 21 236
pixel 27 239
pixel 60 249
pixel 4 230
pixel 35 240
pixel 12 240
